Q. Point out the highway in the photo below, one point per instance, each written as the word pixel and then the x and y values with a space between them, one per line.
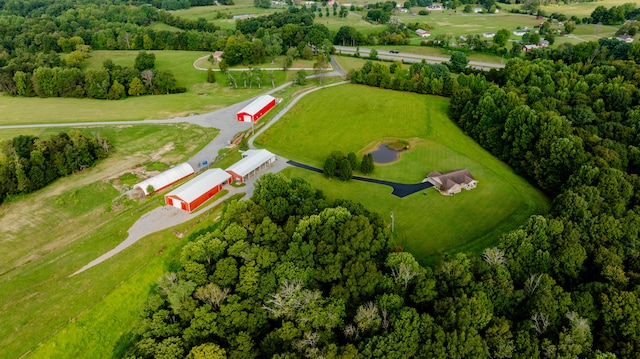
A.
pixel 406 57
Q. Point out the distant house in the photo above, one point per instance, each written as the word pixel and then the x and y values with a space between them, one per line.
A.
pixel 477 10
pixel 627 39
pixel 526 48
pixel 543 43
pixel 217 56
pixel 520 32
pixel 423 33
pixel 435 7
pixel 489 35
pixel 452 182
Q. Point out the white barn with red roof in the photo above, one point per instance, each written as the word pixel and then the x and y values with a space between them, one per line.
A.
pixel 252 162
pixel 164 179
pixel 197 191
pixel 256 109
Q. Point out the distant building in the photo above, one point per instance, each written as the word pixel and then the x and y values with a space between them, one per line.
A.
pixel 423 33
pixel 435 7
pixel 217 56
pixel 477 10
pixel 253 111
pixel 165 179
pixel 252 161
pixel 530 47
pixel 627 39
pixel 192 194
pixel 543 43
pixel 520 32
pixel 452 182
pixel 489 35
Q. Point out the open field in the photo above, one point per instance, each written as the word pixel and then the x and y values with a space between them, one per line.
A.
pixel 427 223
pixel 51 233
pixel 201 97
pixel 581 9
pixel 210 13
pixel 102 331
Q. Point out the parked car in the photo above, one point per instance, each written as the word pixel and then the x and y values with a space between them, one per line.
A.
pixel 394 51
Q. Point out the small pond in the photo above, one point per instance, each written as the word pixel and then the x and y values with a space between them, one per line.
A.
pixel 383 154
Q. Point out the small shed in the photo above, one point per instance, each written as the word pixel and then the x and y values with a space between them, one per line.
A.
pixel 164 179
pixel 423 33
pixel 197 191
pixel 257 108
pixel 252 162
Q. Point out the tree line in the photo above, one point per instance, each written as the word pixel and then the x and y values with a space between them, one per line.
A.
pixel 111 82
pixel 433 79
pixel 28 163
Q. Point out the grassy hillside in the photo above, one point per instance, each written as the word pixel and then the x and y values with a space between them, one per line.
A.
pixel 356 118
pixel 51 233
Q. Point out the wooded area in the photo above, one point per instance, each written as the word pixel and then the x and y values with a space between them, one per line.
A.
pixel 28 163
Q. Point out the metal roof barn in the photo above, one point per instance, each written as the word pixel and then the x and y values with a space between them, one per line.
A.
pixel 253 111
pixel 166 178
pixel 253 161
pixel 197 191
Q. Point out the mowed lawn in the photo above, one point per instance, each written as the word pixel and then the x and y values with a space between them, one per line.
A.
pixel 356 118
pixel 201 97
pixel 51 233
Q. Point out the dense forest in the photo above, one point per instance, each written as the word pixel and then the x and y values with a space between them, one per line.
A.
pixel 28 163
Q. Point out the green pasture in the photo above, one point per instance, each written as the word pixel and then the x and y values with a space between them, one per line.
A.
pixel 201 97
pixel 580 9
pixel 160 26
pixel 356 118
pixel 458 23
pixel 49 234
pixel 334 23
pixel 210 13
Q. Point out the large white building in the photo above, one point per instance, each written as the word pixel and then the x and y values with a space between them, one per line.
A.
pixel 252 162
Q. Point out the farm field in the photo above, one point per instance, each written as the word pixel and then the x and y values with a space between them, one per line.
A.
pixel 581 9
pixel 426 222
pixel 201 97
pixel 51 233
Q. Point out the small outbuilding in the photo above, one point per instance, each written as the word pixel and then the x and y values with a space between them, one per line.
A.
pixel 256 109
pixel 164 179
pixel 423 33
pixel 252 162
pixel 452 182
pixel 192 194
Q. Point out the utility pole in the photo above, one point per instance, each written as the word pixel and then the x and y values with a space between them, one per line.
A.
pixel 393 223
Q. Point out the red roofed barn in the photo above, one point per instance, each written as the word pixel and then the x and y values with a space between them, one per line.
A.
pixel 197 191
pixel 252 161
pixel 256 109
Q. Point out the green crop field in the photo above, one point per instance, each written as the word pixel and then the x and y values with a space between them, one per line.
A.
pixel 426 222
pixel 49 234
pixel 201 97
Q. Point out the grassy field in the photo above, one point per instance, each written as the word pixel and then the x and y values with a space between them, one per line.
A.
pixel 51 233
pixel 201 97
pixel 427 223
pixel 581 9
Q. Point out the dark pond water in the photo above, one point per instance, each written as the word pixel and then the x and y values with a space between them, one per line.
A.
pixel 384 154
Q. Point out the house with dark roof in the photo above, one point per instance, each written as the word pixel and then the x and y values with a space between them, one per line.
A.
pixel 452 182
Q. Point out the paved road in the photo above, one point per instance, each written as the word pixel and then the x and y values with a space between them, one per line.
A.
pixel 399 189
pixel 403 56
